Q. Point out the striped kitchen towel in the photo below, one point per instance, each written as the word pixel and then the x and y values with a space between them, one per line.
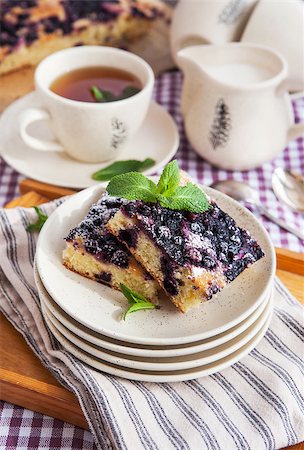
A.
pixel 255 404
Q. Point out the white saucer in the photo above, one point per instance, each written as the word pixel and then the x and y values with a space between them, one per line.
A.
pixel 99 308
pixel 164 364
pixel 160 376
pixel 158 138
pixel 126 348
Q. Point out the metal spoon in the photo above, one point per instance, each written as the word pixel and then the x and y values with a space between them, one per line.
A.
pixel 243 192
pixel 289 188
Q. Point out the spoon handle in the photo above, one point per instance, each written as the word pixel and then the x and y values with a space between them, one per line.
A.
pixel 281 223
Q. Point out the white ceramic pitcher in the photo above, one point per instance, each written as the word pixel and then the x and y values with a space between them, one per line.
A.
pixel 236 109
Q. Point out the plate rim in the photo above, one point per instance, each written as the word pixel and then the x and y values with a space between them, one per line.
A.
pixel 145 352
pixel 124 361
pixel 166 378
pixel 96 190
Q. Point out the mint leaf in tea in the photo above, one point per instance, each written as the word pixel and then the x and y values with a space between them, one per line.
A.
pixel 96 84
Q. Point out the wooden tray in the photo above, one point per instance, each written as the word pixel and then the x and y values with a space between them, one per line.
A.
pixel 23 379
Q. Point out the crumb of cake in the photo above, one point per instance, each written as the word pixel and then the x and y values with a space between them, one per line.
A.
pixel 193 256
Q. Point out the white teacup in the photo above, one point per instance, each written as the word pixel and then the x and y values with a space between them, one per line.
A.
pixel 208 22
pixel 89 132
pixel 280 25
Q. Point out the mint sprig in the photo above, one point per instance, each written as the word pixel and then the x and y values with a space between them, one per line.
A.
pixel 119 167
pixel 40 222
pixel 102 95
pixel 136 301
pixel 168 193
pixel 133 186
pixel 169 179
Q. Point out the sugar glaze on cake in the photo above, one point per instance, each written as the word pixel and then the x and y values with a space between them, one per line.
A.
pixel 95 253
pixel 193 256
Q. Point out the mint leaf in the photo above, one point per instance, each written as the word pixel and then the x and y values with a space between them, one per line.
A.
pixel 188 198
pixel 169 179
pixel 119 167
pixel 128 91
pixel 97 94
pixel 132 186
pixel 132 296
pixel 101 95
pixel 41 221
pixel 135 186
pixel 136 301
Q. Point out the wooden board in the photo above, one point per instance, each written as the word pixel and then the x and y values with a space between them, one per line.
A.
pixel 23 379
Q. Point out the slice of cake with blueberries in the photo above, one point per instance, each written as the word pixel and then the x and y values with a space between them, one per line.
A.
pixel 182 238
pixel 94 253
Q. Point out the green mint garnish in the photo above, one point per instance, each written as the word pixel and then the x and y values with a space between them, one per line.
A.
pixel 169 179
pixel 97 94
pixel 135 186
pixel 119 167
pixel 102 96
pixel 136 301
pixel 39 224
pixel 128 91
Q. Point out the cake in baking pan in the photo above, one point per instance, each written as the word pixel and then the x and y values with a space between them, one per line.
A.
pixel 32 29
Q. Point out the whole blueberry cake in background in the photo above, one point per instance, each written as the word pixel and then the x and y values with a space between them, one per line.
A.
pixel 94 253
pixel 32 29
pixel 192 255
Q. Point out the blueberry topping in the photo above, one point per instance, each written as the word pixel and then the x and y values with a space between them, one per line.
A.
pixel 94 236
pixel 195 227
pixel 208 240
pixel 163 232
pixel 178 240
pixel 170 283
pixel 104 277
pixel 129 237
pixel 120 258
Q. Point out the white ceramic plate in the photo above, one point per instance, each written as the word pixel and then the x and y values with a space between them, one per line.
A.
pixel 157 138
pixel 126 348
pixel 162 364
pixel 99 308
pixel 161 376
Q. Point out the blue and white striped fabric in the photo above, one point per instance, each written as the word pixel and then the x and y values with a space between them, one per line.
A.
pixel 255 404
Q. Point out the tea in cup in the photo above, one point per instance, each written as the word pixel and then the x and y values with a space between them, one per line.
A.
pixel 95 99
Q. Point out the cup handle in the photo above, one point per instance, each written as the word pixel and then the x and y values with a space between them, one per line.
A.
pixel 34 115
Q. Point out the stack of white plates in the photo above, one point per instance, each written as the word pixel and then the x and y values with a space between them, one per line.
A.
pixel 159 345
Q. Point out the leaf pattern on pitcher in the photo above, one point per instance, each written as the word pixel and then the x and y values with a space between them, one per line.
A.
pixel 119 133
pixel 221 126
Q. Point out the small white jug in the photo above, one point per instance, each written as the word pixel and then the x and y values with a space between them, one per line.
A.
pixel 197 22
pixel 235 105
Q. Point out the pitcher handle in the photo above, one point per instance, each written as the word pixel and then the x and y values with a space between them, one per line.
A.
pixel 295 131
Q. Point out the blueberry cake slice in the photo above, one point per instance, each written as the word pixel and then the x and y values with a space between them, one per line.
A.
pixel 94 253
pixel 32 29
pixel 191 255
